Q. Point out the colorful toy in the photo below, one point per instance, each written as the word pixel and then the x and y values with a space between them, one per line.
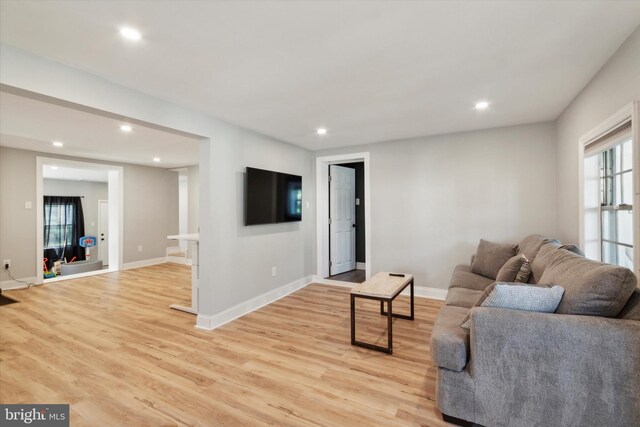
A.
pixel 47 274
pixel 88 242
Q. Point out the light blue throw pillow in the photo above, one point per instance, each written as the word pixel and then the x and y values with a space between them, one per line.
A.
pixel 538 298
pixel 530 298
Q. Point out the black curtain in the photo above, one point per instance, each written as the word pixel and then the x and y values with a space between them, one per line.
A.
pixel 63 228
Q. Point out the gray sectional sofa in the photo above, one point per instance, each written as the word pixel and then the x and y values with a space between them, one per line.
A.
pixel 579 366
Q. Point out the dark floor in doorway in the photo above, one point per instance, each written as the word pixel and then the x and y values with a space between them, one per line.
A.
pixel 353 276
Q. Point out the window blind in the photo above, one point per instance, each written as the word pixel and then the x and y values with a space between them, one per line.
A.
pixel 611 139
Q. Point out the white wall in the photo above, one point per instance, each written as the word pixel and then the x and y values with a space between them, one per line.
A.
pixel 433 198
pixel 17 224
pixel 194 199
pixel 150 210
pixel 90 192
pixel 615 85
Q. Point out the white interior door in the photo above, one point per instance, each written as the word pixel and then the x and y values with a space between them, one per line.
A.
pixel 342 219
pixel 103 231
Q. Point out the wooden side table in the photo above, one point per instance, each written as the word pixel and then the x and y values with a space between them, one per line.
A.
pixel 384 288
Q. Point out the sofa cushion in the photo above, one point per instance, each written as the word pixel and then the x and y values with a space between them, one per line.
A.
pixel 530 245
pixel 544 257
pixel 462 297
pixel 483 296
pixel 450 342
pixel 591 288
pixel 462 277
pixel 490 257
pixel 631 310
pixel 517 269
pixel 573 248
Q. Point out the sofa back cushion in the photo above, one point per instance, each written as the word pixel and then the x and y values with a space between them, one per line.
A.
pixel 490 257
pixel 543 258
pixel 631 310
pixel 591 288
pixel 530 245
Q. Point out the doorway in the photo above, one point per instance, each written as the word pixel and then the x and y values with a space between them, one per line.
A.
pixel 343 212
pixel 347 253
pixel 72 248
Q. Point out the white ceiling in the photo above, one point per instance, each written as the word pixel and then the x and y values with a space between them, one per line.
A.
pixel 53 171
pixel 31 124
pixel 368 71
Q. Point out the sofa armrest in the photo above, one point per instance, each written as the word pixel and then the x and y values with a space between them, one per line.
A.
pixel 551 369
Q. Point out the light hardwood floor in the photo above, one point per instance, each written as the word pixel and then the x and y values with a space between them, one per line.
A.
pixel 110 346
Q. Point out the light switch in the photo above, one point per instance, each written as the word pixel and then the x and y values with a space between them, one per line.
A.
pixel 27 204
pixel 357 201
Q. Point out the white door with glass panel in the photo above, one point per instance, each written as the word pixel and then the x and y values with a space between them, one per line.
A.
pixel 342 219
pixel 103 232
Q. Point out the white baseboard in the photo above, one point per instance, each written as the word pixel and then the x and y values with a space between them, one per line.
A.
pixel 12 284
pixel 212 321
pixel 179 260
pixel 7 285
pixel 361 265
pixel 144 263
pixel 173 249
pixel 419 291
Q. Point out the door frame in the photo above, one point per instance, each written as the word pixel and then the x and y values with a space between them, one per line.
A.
pixel 116 213
pixel 322 209
pixel 100 229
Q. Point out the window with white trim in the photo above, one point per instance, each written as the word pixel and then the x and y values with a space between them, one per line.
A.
pixel 616 204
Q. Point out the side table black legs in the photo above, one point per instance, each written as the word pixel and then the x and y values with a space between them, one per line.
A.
pixel 389 313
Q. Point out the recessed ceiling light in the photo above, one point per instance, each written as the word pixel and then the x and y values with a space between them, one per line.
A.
pixel 57 144
pixel 130 33
pixel 125 128
pixel 55 168
pixel 321 131
pixel 482 105
pixel 156 159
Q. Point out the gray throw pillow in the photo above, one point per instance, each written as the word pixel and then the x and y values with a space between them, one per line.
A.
pixel 517 269
pixel 490 257
pixel 518 296
pixel 573 248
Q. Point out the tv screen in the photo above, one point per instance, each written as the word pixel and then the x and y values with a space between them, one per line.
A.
pixel 272 197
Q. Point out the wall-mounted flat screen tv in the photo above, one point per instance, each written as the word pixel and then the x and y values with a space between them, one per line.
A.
pixel 272 197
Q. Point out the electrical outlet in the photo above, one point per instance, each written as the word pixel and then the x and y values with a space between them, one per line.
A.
pixel 274 271
pixel 139 248
pixel 6 264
